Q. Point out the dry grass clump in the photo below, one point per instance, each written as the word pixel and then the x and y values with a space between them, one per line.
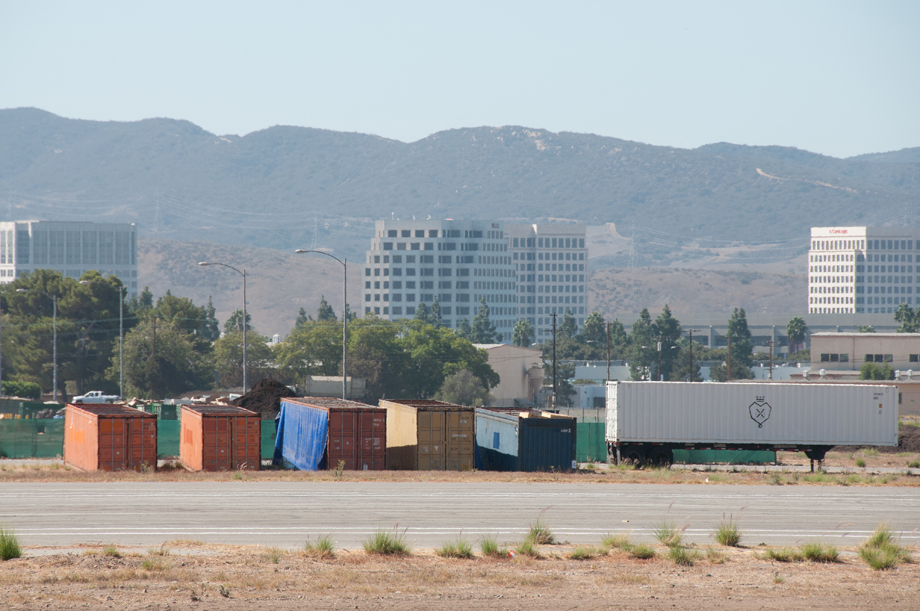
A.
pixel 387 543
pixel 111 551
pixel 459 548
pixel 882 552
pixel 782 554
pixel 540 534
pixel 668 534
pixel 323 548
pixel 9 545
pixel 584 553
pixel 818 552
pixel 727 533
pixel 683 556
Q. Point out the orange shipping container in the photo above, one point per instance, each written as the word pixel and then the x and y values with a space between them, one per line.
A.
pixel 109 437
pixel 357 432
pixel 220 438
pixel 430 435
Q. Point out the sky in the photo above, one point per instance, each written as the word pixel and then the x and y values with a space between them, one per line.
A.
pixel 840 78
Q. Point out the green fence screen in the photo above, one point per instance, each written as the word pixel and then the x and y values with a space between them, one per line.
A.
pixel 589 442
pixel 731 457
pixel 168 438
pixel 31 438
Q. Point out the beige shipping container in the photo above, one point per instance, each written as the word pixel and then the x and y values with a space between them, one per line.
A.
pixel 430 435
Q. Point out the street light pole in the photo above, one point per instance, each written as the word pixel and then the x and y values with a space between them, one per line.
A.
pixel 54 326
pixel 121 334
pixel 344 262
pixel 245 321
pixel 608 351
pixel 690 374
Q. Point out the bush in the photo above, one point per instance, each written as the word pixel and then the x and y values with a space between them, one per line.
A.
pixel 727 533
pixel 461 548
pixel 489 547
pixel 9 545
pixel 683 556
pixel 816 552
pixel 323 548
pixel 668 534
pixel 881 551
pixel 26 390
pixel 386 543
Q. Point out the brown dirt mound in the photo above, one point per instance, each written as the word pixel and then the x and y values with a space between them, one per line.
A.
pixel 265 397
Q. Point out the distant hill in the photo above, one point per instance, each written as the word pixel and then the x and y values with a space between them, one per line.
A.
pixel 287 187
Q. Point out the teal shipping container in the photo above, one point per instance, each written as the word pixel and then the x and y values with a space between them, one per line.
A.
pixel 515 440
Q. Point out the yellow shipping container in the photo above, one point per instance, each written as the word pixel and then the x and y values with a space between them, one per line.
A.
pixel 430 435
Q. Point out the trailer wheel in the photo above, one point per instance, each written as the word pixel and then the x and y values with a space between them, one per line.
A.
pixel 817 453
pixel 662 457
pixel 633 456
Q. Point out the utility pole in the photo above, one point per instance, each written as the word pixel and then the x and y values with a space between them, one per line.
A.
pixel 659 359
pixel 608 351
pixel 690 375
pixel 769 342
pixel 728 377
pixel 154 355
pixel 554 360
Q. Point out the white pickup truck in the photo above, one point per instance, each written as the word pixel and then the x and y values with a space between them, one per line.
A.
pixel 96 396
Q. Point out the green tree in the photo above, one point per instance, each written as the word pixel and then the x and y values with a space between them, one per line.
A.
pixel 667 328
pixel 314 348
pixel 302 318
pixel 210 330
pixel 682 370
pixel 423 314
pixel 522 334
pixel 228 358
pixel 796 330
pixel 619 341
pixel 483 330
pixel 568 328
pixel 909 319
pixel 235 322
pixel 871 371
pixel 565 371
pixel 740 348
pixel 325 313
pixel 436 320
pixel 161 361
pixel 464 330
pixel 594 330
pixel 463 388
pixel 865 329
pixel 642 353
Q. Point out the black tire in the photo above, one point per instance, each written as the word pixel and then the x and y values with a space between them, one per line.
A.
pixel 662 457
pixel 633 456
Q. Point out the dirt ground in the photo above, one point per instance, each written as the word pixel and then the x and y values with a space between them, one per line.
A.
pixel 190 575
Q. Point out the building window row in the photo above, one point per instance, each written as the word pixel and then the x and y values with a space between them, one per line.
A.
pixel 817 300
pixel 835 358
pixel 826 258
pixel 831 268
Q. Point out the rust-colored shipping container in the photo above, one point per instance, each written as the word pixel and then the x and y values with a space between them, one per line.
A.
pixel 430 435
pixel 109 437
pixel 220 438
pixel 357 432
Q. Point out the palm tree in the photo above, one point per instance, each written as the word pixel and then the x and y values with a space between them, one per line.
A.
pixel 796 331
pixel 522 334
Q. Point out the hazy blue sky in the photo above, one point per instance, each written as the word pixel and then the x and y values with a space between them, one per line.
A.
pixel 840 78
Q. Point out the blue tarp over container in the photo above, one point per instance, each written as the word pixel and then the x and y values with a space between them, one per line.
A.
pixel 508 441
pixel 300 439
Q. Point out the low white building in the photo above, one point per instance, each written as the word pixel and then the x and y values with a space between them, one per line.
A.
pixel 521 373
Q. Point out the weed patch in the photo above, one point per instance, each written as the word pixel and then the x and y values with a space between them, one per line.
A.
pixel 111 551
pixel 490 547
pixel 386 543
pixel 322 548
pixel 641 551
pixel 881 550
pixel 620 542
pixel 817 552
pixel 540 533
pixel 273 555
pixel 727 532
pixel 668 534
pixel 528 547
pixel 9 545
pixel 683 556
pixel 783 554
pixel 459 548
pixel 583 553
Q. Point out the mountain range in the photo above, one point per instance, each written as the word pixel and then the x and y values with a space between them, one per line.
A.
pixel 287 187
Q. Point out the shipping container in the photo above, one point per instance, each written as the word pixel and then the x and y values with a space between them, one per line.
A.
pixel 646 421
pixel 321 432
pixel 514 440
pixel 109 437
pixel 220 438
pixel 430 435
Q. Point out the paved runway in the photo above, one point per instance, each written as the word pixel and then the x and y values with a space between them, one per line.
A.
pixel 285 514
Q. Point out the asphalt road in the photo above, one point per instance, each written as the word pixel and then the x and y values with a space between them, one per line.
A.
pixel 285 514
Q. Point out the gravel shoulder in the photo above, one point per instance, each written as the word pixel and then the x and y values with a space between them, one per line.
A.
pixel 190 575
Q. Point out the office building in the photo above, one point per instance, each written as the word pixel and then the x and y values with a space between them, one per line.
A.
pixel 455 263
pixel 868 270
pixel 71 248
pixel 550 262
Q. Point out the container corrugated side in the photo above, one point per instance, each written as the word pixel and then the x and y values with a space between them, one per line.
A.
pixel 402 436
pixel 109 437
pixel 356 432
pixel 546 443
pixel 773 413
pixel 220 438
pixel 430 435
pixel 497 440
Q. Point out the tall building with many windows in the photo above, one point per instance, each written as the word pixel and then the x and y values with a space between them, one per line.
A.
pixel 71 248
pixel 550 262
pixel 863 269
pixel 455 263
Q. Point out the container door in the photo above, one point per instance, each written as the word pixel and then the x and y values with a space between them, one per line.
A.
pixel 217 451
pixel 431 434
pixel 247 440
pixel 371 439
pixel 343 434
pixel 142 445
pixel 112 444
pixel 460 440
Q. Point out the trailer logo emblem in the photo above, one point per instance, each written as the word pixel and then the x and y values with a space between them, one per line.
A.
pixel 760 412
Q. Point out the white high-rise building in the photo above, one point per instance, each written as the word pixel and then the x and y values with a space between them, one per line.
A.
pixel 863 269
pixel 455 263
pixel 69 247
pixel 550 261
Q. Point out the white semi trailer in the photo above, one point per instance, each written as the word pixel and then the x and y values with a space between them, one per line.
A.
pixel 647 421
